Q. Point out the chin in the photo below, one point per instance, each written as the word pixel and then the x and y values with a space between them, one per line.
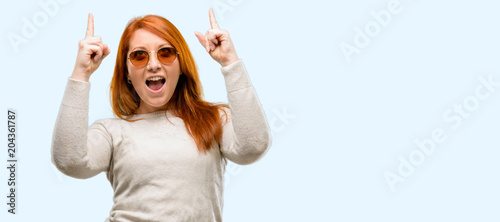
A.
pixel 152 105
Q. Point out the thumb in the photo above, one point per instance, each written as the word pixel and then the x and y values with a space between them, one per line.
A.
pixel 202 40
pixel 106 51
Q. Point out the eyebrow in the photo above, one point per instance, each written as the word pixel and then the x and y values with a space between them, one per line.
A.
pixel 161 46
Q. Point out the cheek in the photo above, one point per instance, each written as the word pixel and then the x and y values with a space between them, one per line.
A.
pixel 174 76
pixel 173 83
pixel 129 71
pixel 134 75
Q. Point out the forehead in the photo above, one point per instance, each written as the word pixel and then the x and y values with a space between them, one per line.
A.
pixel 146 39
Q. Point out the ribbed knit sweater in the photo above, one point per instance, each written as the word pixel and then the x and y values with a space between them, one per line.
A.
pixel 153 164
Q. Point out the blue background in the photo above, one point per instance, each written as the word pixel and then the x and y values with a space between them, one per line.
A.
pixel 340 122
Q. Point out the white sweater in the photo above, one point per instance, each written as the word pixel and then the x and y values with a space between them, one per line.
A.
pixel 153 165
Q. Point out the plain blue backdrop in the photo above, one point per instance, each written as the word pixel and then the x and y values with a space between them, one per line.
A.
pixel 350 88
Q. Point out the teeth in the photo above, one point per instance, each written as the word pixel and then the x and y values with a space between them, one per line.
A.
pixel 155 78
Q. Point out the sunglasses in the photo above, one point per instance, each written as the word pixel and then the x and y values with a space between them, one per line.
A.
pixel 140 58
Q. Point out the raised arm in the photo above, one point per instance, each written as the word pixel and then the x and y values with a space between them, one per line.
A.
pixel 77 150
pixel 246 135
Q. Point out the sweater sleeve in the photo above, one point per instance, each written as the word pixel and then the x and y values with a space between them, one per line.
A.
pixel 246 135
pixel 78 150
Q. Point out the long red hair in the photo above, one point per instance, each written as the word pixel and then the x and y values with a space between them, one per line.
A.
pixel 202 119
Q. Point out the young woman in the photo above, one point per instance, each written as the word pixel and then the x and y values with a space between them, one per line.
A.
pixel 166 152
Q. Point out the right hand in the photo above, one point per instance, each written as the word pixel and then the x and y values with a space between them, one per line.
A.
pixel 91 52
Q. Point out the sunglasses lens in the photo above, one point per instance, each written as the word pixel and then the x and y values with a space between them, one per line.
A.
pixel 167 55
pixel 139 58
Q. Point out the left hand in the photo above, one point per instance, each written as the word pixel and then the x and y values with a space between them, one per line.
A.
pixel 218 43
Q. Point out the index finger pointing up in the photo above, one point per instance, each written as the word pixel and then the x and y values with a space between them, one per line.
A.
pixel 90 26
pixel 213 22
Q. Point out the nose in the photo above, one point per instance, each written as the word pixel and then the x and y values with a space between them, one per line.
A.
pixel 153 64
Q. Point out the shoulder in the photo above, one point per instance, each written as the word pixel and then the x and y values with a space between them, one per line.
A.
pixel 107 121
pixel 109 125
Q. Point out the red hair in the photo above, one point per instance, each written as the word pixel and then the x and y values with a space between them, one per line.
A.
pixel 202 119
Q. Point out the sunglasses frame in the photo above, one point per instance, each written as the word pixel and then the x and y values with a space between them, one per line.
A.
pixel 149 56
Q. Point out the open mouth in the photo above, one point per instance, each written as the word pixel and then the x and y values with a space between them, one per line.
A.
pixel 155 83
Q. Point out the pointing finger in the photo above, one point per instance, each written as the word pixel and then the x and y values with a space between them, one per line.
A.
pixel 213 22
pixel 90 26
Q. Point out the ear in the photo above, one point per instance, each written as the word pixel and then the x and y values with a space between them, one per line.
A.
pixel 127 71
pixel 127 78
pixel 127 74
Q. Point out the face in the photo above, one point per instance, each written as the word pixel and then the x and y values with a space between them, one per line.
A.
pixel 155 82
